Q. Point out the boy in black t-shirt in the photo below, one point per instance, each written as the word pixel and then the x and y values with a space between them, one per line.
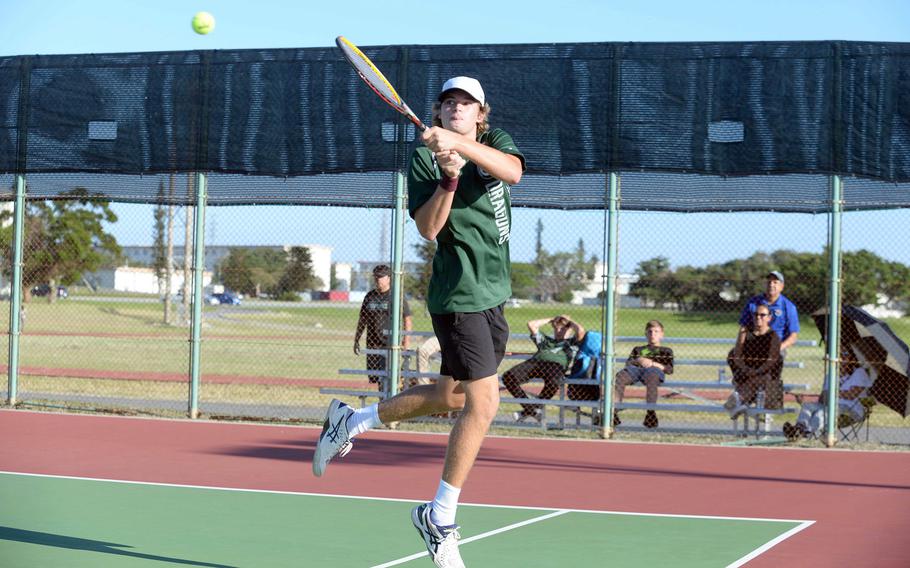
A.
pixel 647 364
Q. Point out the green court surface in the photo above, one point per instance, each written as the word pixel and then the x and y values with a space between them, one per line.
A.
pixel 64 522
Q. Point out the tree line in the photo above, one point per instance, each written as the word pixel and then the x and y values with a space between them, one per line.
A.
pixel 866 279
pixel 277 273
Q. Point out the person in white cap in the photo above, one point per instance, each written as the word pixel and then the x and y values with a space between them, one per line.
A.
pixel 459 185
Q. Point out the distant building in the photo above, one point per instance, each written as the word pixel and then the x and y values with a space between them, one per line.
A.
pixel 591 294
pixel 137 279
pixel 343 272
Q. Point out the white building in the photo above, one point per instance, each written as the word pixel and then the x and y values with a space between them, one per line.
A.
pixel 141 280
pixel 343 274
pixel 589 296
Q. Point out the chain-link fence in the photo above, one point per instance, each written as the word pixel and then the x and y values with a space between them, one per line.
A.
pixel 728 161
pixel 115 333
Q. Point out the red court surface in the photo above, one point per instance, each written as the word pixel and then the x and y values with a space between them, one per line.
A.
pixel 860 501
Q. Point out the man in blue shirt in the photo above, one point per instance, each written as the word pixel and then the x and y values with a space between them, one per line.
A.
pixel 784 322
pixel 784 317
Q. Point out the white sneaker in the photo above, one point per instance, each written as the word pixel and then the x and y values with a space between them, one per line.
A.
pixel 441 542
pixel 334 439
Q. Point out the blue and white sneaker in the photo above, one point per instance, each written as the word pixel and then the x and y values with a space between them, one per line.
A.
pixel 334 439
pixel 441 542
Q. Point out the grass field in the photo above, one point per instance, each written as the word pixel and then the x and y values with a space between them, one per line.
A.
pixel 313 341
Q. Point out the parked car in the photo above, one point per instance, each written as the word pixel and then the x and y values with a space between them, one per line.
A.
pixel 45 289
pixel 227 299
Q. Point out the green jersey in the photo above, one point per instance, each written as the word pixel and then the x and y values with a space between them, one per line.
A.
pixel 471 269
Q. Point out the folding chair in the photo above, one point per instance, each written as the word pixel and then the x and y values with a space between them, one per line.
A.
pixel 850 428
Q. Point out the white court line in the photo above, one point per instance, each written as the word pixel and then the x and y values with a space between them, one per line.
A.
pixel 396 500
pixel 768 545
pixel 477 537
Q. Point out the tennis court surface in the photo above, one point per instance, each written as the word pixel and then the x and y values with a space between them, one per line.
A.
pixel 100 491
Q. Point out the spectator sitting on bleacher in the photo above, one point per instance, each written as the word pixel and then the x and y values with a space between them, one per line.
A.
pixel 553 357
pixel 784 322
pixel 753 362
pixel 854 383
pixel 648 364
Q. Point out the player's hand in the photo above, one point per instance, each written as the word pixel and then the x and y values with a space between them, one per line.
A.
pixel 439 139
pixel 357 347
pixel 450 163
pixel 645 362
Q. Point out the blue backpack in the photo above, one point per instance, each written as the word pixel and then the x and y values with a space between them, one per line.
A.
pixel 586 366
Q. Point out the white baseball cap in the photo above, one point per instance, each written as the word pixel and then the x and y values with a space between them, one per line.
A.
pixel 467 84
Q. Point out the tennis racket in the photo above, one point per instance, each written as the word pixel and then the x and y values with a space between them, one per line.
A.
pixel 376 80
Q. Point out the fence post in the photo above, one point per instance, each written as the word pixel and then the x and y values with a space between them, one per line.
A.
pixel 15 293
pixel 15 285
pixel 609 310
pixel 198 299
pixel 397 286
pixel 832 357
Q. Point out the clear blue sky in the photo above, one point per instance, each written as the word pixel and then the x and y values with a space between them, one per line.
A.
pixel 105 26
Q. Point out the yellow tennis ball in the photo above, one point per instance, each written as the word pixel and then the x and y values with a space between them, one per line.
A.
pixel 203 23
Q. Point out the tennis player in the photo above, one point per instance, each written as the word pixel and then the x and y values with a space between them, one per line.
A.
pixel 459 195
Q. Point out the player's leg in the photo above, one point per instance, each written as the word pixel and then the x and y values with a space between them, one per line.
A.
pixel 422 400
pixel 652 378
pixel 473 353
pixel 623 379
pixel 552 374
pixel 435 521
pixel 343 423
pixel 513 379
pixel 481 404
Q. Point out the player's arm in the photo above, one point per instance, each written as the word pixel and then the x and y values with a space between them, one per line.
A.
pixel 667 365
pixel 534 325
pixel 791 339
pixel 502 166
pixel 576 327
pixel 772 357
pixel 361 324
pixel 852 393
pixel 431 217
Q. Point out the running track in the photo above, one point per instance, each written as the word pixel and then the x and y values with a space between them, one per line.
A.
pixel 859 500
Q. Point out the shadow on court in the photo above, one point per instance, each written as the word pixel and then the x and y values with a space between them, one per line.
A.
pixel 73 543
pixel 366 451
pixel 385 452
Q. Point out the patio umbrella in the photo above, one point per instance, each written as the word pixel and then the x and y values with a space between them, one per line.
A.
pixel 878 347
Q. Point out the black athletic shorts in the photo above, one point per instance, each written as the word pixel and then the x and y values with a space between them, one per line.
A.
pixel 473 344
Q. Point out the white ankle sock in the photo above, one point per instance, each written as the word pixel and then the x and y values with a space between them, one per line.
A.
pixel 363 419
pixel 445 504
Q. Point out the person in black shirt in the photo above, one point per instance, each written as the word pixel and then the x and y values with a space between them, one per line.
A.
pixel 754 362
pixel 648 364
pixel 375 319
